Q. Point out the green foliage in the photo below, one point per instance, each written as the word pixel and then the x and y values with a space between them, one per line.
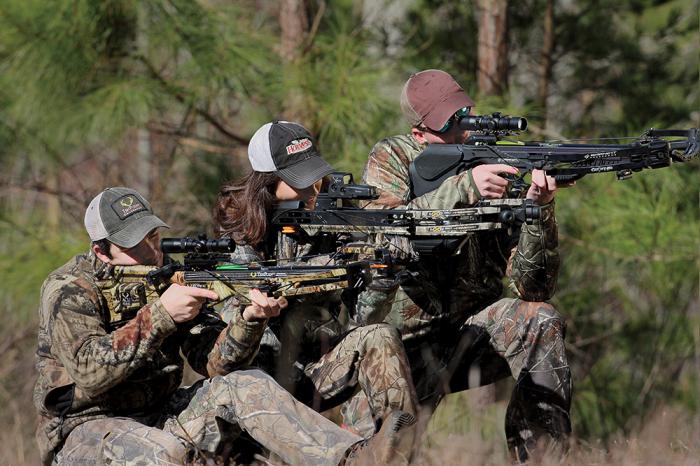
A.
pixel 629 286
pixel 29 250
pixel 441 34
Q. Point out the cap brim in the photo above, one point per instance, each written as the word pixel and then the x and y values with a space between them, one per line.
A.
pixel 134 232
pixel 437 118
pixel 303 174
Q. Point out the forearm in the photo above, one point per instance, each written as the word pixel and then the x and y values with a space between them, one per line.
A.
pixel 534 264
pixel 237 345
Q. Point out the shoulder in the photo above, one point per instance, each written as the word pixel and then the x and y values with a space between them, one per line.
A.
pixel 403 148
pixel 71 285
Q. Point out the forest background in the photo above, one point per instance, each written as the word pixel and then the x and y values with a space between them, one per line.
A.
pixel 163 96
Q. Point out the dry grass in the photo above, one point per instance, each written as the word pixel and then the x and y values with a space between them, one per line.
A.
pixel 451 436
pixel 667 438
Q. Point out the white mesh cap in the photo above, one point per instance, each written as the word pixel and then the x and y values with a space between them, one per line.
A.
pixel 93 222
pixel 259 152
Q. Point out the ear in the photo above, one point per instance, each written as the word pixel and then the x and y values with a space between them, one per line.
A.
pixel 100 254
pixel 418 135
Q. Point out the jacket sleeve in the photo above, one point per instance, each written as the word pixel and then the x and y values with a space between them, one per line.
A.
pixel 214 348
pixel 533 265
pixel 95 359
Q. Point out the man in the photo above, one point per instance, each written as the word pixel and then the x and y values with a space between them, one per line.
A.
pixel 110 366
pixel 457 332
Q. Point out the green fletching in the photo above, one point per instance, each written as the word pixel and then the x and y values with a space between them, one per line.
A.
pixel 231 267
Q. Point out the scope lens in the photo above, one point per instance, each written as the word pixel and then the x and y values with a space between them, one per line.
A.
pixel 186 245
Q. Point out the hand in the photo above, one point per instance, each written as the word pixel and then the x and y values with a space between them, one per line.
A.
pixel 184 302
pixel 263 306
pixel 488 180
pixel 542 189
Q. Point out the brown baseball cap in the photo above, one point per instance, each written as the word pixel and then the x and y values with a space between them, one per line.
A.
pixel 431 97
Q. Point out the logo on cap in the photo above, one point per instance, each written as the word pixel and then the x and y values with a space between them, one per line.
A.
pixel 127 201
pixel 299 145
pixel 127 205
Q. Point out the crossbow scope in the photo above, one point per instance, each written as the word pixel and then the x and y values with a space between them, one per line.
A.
pixel 201 244
pixel 492 123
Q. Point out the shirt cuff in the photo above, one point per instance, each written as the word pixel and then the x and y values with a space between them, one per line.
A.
pixel 163 323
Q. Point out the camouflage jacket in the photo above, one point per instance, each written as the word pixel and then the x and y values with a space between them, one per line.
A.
pixel 89 370
pixel 446 290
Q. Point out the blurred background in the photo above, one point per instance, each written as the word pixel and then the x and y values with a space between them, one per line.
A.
pixel 163 96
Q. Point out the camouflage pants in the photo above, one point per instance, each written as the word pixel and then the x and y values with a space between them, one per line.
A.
pixel 371 359
pixel 511 337
pixel 223 406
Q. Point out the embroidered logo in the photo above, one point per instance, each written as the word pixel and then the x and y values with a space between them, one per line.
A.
pixel 298 145
pixel 127 205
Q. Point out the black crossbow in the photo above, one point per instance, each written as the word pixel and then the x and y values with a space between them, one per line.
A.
pixel 564 161
pixel 429 230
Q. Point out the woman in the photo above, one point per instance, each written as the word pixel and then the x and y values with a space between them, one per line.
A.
pixel 312 349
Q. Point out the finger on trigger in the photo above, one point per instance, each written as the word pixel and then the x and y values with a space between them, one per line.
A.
pixel 203 293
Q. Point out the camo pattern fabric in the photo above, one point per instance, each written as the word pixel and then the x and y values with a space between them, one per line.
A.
pixel 317 353
pixel 522 337
pixel 217 411
pixel 511 337
pixel 89 370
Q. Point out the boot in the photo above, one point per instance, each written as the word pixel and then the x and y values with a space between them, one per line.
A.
pixel 390 446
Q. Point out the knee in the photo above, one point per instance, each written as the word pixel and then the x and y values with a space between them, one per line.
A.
pixel 243 378
pixel 379 334
pixel 541 317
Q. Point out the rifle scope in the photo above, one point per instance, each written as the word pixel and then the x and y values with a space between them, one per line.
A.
pixel 494 122
pixel 196 245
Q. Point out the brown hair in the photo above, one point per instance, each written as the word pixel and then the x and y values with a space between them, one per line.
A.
pixel 242 207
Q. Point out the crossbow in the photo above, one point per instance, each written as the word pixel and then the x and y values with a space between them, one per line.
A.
pixel 566 162
pixel 430 231
pixel 207 264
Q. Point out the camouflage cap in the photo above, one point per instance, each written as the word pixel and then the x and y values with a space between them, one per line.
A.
pixel 431 97
pixel 122 216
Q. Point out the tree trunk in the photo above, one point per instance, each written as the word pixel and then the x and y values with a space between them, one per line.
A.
pixel 294 25
pixel 546 61
pixel 493 46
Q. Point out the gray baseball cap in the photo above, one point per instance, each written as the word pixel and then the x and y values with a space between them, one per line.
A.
pixel 122 216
